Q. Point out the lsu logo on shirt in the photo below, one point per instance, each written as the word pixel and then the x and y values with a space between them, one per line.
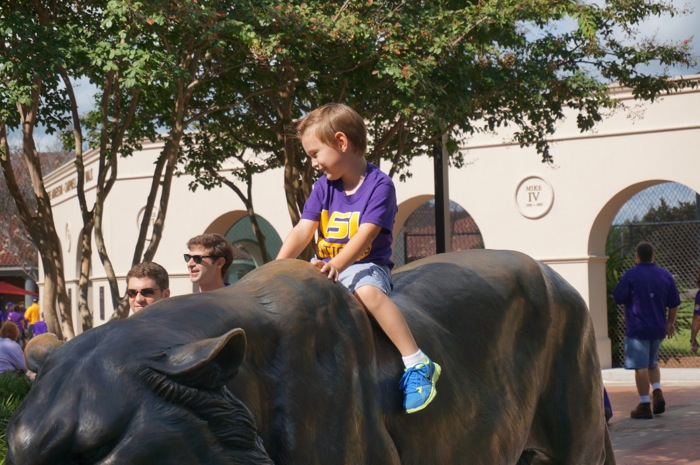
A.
pixel 337 229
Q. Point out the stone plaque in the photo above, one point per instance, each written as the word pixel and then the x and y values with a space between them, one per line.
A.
pixel 534 197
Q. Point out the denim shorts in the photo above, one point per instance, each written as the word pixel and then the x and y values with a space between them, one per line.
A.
pixel 641 353
pixel 366 274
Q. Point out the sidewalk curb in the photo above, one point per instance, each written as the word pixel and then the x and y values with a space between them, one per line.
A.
pixel 669 377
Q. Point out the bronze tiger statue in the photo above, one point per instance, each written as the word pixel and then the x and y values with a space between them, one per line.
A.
pixel 284 367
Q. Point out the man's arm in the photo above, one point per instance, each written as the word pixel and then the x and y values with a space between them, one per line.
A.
pixel 671 322
pixel 620 292
pixel 694 328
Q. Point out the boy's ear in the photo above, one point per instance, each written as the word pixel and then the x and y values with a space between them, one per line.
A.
pixel 342 140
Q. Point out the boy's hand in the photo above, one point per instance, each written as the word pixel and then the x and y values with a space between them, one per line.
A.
pixel 328 269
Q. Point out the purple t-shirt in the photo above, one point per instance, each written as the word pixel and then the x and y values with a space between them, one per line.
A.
pixel 646 291
pixel 17 318
pixel 11 356
pixel 39 328
pixel 340 215
pixel 696 310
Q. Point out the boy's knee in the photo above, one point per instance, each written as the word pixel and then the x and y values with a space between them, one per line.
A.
pixel 370 296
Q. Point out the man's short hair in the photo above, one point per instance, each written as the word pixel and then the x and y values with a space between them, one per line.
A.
pixel 335 117
pixel 150 270
pixel 9 330
pixel 217 245
pixel 645 252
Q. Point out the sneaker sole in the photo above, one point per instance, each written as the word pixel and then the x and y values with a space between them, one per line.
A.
pixel 433 391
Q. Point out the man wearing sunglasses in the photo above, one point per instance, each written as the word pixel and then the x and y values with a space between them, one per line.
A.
pixel 146 283
pixel 209 258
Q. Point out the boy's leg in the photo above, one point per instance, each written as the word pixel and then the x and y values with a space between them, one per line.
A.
pixel 388 317
pixel 418 381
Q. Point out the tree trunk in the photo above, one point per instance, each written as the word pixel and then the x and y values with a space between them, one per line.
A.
pixel 39 221
pixel 86 319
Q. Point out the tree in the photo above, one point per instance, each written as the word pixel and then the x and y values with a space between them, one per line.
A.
pixel 14 238
pixel 148 62
pixel 29 97
pixel 245 70
pixel 192 48
pixel 418 70
pixel 205 155
pixel 38 74
pixel 683 211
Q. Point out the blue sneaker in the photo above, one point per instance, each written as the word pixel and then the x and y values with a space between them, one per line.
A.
pixel 418 385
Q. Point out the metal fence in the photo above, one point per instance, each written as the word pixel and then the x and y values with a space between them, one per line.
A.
pixel 417 237
pixel 667 216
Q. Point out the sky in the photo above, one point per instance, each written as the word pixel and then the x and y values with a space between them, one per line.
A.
pixel 666 28
pixel 678 28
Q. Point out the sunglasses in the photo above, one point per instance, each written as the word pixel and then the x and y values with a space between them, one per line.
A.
pixel 147 292
pixel 198 258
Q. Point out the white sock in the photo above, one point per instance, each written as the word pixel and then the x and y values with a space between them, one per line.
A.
pixel 644 399
pixel 415 359
pixel 656 386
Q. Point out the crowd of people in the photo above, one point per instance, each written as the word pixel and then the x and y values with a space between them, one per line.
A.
pixel 18 326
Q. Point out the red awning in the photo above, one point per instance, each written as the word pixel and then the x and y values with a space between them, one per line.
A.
pixel 7 288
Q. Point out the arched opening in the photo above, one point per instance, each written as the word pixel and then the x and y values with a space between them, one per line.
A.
pixel 667 215
pixel 248 251
pixel 416 236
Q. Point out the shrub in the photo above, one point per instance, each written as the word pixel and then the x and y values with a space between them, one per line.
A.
pixel 13 389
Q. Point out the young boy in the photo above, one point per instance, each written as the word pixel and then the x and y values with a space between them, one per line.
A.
pixel 355 205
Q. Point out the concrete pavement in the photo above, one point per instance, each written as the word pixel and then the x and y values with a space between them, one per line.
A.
pixel 672 438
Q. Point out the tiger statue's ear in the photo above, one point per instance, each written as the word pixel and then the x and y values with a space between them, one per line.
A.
pixel 206 363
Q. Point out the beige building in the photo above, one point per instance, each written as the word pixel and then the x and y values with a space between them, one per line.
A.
pixel 558 213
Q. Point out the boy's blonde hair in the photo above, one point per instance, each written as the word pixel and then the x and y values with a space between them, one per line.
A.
pixel 332 118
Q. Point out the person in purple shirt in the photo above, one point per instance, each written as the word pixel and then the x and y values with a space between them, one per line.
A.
pixel 9 306
pixel 650 299
pixel 695 326
pixel 11 355
pixel 17 318
pixel 40 326
pixel 353 207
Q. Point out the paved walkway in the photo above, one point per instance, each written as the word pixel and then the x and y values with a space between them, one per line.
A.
pixel 669 439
